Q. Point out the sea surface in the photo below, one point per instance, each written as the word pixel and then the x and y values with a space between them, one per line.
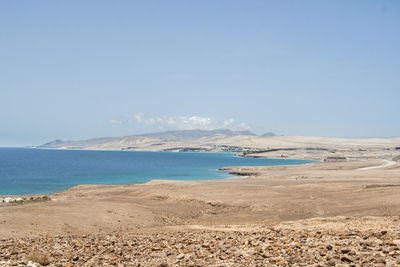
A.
pixel 39 171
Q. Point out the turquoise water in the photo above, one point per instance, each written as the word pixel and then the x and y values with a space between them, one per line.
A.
pixel 38 171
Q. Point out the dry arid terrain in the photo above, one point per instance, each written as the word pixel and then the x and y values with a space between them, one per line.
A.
pixel 344 211
pixel 301 147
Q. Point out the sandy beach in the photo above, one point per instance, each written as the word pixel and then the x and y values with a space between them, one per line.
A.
pixel 357 199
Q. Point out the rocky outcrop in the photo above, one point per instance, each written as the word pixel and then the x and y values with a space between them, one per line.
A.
pixel 335 159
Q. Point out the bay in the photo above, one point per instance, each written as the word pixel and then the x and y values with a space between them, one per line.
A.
pixel 40 171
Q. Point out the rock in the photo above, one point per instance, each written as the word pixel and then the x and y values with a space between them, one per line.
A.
pixel 205 245
pixel 345 251
pixel 346 259
pixel 380 259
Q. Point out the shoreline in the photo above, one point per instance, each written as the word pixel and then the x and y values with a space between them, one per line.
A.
pixel 277 193
pixel 221 170
pixel 338 206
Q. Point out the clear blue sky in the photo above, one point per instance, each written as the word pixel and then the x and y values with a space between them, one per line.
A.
pixel 81 69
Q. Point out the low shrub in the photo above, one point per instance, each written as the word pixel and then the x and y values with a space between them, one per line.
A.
pixel 39 257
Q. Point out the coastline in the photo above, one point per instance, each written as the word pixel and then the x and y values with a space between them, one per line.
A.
pixel 352 198
pixel 201 166
pixel 278 193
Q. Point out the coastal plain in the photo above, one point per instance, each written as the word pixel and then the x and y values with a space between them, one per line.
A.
pixel 342 210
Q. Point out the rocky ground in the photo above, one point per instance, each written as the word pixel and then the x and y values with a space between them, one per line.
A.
pixel 373 241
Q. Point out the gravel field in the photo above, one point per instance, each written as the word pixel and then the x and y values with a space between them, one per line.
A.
pixel 334 242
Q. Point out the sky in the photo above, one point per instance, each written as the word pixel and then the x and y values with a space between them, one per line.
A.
pixel 81 69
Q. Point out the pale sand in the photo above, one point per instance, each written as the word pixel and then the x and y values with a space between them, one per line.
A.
pixel 386 163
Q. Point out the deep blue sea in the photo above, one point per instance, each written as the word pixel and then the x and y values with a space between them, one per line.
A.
pixel 39 171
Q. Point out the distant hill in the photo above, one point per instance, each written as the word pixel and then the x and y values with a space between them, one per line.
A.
pixel 82 143
pixel 145 140
pixel 269 134
pixel 268 145
pixel 187 135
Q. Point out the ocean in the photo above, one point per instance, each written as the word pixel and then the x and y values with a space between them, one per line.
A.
pixel 39 171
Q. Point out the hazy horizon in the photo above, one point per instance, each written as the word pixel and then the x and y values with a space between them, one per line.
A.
pixel 76 70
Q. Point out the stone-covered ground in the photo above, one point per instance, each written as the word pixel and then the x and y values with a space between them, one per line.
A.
pixel 270 246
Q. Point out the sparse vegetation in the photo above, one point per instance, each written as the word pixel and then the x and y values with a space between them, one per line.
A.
pixel 39 257
pixel 23 200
